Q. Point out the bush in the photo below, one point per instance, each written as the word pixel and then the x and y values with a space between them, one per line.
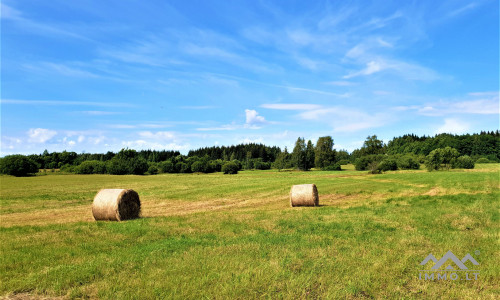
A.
pixel 138 166
pixel 167 167
pixel 216 165
pixel 463 162
pixel 199 166
pixel 408 162
pixel 230 168
pixel 153 169
pixel 260 165
pixel 343 162
pixel 368 162
pixel 238 163
pixel 388 164
pixel 117 166
pixel 441 158
pixel 17 165
pixel 70 168
pixel 91 167
pixel 332 167
pixel 183 167
pixel 483 160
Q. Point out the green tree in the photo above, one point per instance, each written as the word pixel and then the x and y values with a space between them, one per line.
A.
pixel 309 155
pixel 17 165
pixel 230 167
pixel 299 154
pixel 372 145
pixel 441 158
pixel 324 152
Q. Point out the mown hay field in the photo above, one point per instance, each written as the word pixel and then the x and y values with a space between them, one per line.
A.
pixel 235 236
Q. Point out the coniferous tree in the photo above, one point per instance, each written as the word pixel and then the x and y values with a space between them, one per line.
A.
pixel 309 155
pixel 299 154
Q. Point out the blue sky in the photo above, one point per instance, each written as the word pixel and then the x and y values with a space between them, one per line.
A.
pixel 96 76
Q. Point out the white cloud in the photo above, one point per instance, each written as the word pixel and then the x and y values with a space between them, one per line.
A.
pixel 160 135
pixel 371 67
pixel 346 119
pixel 485 106
pixel 253 120
pixel 100 113
pixel 290 106
pixel 40 135
pixel 251 141
pixel 63 102
pixel 143 144
pixel 220 128
pixel 341 83
pixel 406 70
pixel 455 126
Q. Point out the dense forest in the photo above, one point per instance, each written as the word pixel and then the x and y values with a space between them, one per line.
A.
pixel 404 152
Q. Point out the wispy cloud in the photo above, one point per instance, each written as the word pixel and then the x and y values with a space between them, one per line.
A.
pixel 343 119
pixel 488 104
pixel 101 113
pixel 200 107
pixel 406 70
pixel 291 106
pixel 228 127
pixel 11 14
pixel 462 9
pixel 65 103
pixel 341 83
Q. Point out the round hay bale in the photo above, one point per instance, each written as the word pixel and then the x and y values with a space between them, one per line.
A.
pixel 304 195
pixel 116 205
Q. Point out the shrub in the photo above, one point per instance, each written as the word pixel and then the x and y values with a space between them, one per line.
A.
pixel 138 166
pixel 343 162
pixel 17 165
pixel 70 168
pixel 238 163
pixel 216 165
pixel 166 167
pixel 230 167
pixel 199 166
pixel 183 167
pixel 408 162
pixel 463 162
pixel 483 160
pixel 332 167
pixel 117 166
pixel 388 164
pixel 441 158
pixel 260 165
pixel 365 162
pixel 153 169
pixel 91 167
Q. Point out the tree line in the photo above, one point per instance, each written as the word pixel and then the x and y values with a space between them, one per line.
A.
pixel 442 151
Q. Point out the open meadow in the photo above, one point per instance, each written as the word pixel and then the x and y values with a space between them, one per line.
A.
pixel 219 236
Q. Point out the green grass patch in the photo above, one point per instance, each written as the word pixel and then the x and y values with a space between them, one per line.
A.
pixel 365 241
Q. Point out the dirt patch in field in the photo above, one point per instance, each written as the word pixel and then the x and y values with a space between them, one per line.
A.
pixel 26 296
pixel 433 192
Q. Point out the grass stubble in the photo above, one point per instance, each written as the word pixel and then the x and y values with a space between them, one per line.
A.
pixel 221 236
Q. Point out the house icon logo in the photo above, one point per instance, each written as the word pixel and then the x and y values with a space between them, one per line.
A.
pixel 449 267
pixel 449 256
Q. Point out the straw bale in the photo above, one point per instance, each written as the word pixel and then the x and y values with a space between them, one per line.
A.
pixel 116 205
pixel 304 195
